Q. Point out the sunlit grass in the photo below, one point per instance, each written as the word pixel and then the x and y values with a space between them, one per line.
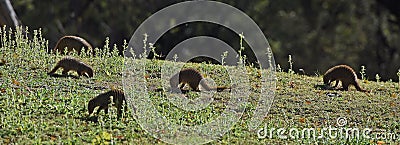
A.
pixel 38 109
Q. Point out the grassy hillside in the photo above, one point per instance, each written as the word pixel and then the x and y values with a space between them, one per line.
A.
pixel 37 108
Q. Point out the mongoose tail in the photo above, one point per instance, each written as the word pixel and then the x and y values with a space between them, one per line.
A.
pixel 360 89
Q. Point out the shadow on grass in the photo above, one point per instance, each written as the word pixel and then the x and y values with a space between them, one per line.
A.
pixel 94 119
pixel 183 91
pixel 63 76
pixel 329 94
pixel 323 87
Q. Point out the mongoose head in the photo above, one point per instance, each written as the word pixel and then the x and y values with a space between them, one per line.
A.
pixel 327 80
pixel 91 106
pixel 88 72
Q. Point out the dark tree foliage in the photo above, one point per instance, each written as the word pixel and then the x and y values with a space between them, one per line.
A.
pixel 317 33
pixel 7 14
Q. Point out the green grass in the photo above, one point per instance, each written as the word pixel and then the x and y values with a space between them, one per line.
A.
pixel 38 109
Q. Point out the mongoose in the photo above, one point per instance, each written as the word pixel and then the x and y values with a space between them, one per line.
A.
pixel 103 100
pixel 70 63
pixel 193 78
pixel 71 42
pixel 342 73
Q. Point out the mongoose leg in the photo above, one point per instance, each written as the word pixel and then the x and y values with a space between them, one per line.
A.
pixel 182 85
pixel 119 111
pixel 80 73
pixel 98 110
pixel 336 83
pixel 195 88
pixel 345 86
pixel 65 72
pixel 106 110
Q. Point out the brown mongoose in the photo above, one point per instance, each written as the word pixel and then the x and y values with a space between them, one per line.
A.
pixel 342 73
pixel 71 42
pixel 193 78
pixel 104 99
pixel 70 63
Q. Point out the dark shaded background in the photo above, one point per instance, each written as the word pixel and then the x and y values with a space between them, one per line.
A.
pixel 317 33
